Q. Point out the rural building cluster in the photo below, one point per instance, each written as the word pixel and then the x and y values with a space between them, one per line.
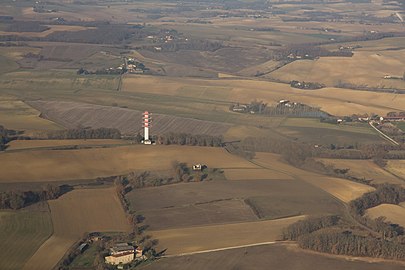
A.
pixel 123 253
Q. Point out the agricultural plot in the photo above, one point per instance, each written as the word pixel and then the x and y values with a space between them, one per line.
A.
pixel 396 167
pixel 53 28
pixel 178 241
pixel 393 213
pixel 312 130
pixel 218 202
pixel 254 174
pixel 21 234
pixel 366 169
pixel 7 65
pixel 15 114
pixel 44 83
pixel 336 101
pixel 344 190
pixel 74 214
pixel 58 165
pixel 275 256
pixel 73 115
pixel 364 68
pixel 231 210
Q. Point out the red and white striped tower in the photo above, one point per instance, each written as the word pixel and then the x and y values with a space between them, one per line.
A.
pixel 146 121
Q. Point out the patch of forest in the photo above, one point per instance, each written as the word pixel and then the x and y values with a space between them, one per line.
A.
pixel 332 234
pixel 19 199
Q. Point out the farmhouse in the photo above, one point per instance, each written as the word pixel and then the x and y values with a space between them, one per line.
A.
pixel 121 253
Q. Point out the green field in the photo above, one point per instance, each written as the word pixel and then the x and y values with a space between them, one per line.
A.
pixel 7 65
pixel 86 259
pixel 401 125
pixel 21 234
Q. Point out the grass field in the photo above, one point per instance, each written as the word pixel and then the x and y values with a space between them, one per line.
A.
pixel 21 234
pixel 313 131
pixel 364 169
pixel 7 65
pixel 396 167
pixel 184 240
pixel 393 213
pixel 15 114
pixel 55 165
pixel 276 256
pixel 74 214
pixel 53 28
pixel 32 144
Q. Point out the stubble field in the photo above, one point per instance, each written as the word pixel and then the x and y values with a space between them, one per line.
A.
pixel 267 257
pixel 74 214
pixel 393 213
pixel 178 241
pixel 21 234
pixel 56 165
pixel 366 169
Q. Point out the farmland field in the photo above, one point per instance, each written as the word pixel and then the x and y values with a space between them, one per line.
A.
pixel 21 234
pixel 56 165
pixel 344 190
pixel 74 214
pixel 364 68
pixel 275 256
pixel 72 115
pixel 333 100
pixel 184 240
pixel 101 64
pixel 230 210
pixel 267 198
pixel 15 114
pixel 397 167
pixel 364 169
pixel 252 174
pixel 393 213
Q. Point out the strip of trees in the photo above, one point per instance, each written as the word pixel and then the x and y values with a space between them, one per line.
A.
pixel 20 199
pixel 347 243
pixel 85 133
pixel 328 234
pixel 6 135
pixel 188 139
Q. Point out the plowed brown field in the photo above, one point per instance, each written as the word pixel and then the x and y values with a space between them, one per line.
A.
pixel 74 114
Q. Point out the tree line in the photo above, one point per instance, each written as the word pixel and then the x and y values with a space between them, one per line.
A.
pixel 103 34
pixel 347 243
pixel 306 51
pixel 309 225
pixel 6 135
pixel 186 139
pixel 20 199
pixel 330 234
pixel 385 193
pixel 180 172
pixel 196 45
pixel 26 26
pixel 85 133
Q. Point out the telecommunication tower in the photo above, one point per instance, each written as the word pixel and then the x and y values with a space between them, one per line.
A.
pixel 146 122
